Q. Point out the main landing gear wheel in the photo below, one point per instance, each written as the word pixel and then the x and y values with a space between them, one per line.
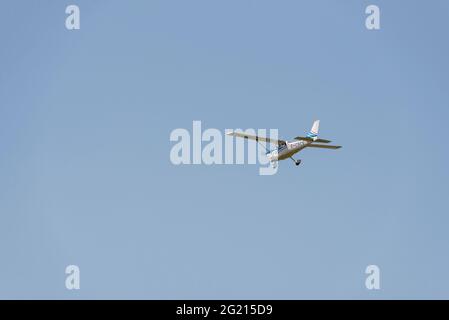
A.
pixel 297 162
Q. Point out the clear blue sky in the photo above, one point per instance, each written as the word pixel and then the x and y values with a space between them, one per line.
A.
pixel 85 175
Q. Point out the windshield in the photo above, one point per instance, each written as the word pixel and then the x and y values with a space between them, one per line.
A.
pixel 279 149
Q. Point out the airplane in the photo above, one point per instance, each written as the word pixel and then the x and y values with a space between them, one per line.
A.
pixel 286 149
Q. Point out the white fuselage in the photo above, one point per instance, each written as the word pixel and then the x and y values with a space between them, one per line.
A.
pixel 287 150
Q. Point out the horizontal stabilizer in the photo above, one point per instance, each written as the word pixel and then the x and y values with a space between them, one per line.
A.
pixel 311 139
pixel 323 146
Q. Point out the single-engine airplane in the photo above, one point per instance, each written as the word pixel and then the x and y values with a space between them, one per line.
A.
pixel 286 149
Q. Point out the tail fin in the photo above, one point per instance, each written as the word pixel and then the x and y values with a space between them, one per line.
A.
pixel 314 131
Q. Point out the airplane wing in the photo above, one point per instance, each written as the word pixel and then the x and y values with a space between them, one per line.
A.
pixel 256 138
pixel 310 139
pixel 324 146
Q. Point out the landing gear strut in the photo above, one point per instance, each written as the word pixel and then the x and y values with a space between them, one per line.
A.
pixel 297 162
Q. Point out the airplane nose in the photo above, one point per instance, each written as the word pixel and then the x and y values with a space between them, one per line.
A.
pixel 272 155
